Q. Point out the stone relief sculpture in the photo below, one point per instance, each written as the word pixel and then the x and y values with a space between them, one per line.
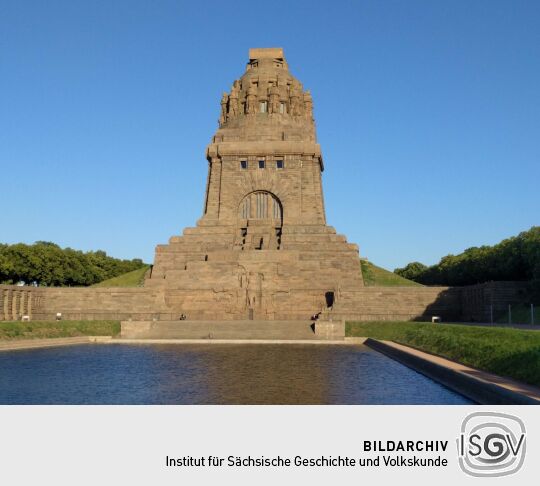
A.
pixel 224 101
pixel 246 99
pixel 308 105
pixel 294 95
pixel 251 100
pixel 254 289
pixel 274 103
pixel 233 101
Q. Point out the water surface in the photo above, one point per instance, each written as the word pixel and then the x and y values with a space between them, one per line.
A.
pixel 213 374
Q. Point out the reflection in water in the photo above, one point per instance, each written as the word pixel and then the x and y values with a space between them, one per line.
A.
pixel 213 374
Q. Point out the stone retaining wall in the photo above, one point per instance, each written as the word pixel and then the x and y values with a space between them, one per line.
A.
pixel 479 302
pixel 85 303
pixel 472 303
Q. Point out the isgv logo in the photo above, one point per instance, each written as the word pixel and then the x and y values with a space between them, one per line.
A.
pixel 491 444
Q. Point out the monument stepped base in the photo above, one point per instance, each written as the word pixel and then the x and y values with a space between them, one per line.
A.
pixel 233 330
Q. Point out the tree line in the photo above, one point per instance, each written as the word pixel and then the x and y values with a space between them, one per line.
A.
pixel 516 258
pixel 46 264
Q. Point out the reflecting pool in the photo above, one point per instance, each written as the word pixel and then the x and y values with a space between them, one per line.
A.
pixel 213 374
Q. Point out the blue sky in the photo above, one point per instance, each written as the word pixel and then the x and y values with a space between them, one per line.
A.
pixel 428 114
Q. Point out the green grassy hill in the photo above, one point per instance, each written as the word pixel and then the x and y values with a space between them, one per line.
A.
pixel 130 279
pixel 377 276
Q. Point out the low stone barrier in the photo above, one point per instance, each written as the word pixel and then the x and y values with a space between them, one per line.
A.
pixel 233 330
pixel 480 386
pixel 16 344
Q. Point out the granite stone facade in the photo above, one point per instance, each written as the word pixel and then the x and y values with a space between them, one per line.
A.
pixel 262 248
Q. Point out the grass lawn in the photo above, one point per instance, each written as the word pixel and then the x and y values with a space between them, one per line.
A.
pixel 514 353
pixel 130 279
pixel 10 330
pixel 377 276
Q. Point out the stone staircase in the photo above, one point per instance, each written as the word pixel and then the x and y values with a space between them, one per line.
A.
pixel 231 330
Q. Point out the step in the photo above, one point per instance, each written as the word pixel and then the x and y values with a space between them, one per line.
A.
pixel 256 329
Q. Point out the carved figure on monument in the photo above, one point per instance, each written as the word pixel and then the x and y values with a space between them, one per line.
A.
pixel 233 101
pixel 251 100
pixel 295 101
pixel 274 99
pixel 254 290
pixel 308 105
pixel 250 294
pixel 224 101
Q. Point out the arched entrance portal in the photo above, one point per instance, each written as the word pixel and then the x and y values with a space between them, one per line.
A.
pixel 260 219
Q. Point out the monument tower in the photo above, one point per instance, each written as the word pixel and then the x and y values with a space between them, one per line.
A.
pixel 262 249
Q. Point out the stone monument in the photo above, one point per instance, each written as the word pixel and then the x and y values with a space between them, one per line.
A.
pixel 262 249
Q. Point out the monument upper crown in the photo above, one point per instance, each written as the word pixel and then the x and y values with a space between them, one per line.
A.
pixel 266 53
pixel 266 57
pixel 266 88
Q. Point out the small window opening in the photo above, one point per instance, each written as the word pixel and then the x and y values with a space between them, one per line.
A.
pixel 243 164
pixel 205 258
pixel 260 246
pixel 261 164
pixel 263 106
pixel 279 164
pixel 329 297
